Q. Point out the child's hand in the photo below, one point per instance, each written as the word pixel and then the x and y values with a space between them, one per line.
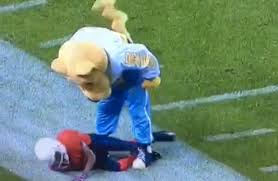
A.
pixel 81 177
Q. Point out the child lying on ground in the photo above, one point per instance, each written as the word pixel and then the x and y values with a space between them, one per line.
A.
pixel 72 150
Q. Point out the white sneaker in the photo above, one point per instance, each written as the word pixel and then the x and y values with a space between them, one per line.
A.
pixel 138 164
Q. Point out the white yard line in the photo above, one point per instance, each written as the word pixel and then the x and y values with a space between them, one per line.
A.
pixel 269 169
pixel 242 134
pixel 216 98
pixel 55 42
pixel 21 6
pixel 36 102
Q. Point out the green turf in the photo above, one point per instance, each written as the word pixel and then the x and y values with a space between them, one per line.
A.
pixel 8 2
pixel 8 176
pixel 245 154
pixel 207 47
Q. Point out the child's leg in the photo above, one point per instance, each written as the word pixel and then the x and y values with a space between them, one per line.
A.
pixel 118 165
pixel 111 165
pixel 109 143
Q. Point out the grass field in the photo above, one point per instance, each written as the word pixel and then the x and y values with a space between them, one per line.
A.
pixel 7 2
pixel 207 47
pixel 246 155
pixel 8 176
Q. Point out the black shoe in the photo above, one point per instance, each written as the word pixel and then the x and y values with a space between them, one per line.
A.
pixel 156 156
pixel 164 136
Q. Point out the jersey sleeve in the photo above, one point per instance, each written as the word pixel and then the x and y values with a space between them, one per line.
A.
pixel 137 56
pixel 73 140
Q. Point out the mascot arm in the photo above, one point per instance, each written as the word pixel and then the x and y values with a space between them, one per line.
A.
pixel 137 56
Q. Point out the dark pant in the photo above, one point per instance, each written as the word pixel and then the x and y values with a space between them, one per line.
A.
pixel 102 144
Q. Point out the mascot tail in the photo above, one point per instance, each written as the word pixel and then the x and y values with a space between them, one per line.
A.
pixel 109 11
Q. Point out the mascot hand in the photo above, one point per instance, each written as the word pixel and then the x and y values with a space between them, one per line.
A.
pixel 150 84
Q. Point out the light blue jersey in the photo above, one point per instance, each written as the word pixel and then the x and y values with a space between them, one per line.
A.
pixel 122 56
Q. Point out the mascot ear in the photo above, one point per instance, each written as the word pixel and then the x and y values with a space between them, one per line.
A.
pixel 58 66
pixel 84 68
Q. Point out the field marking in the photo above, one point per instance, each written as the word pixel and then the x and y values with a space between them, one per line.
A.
pixel 216 98
pixel 242 134
pixel 54 42
pixel 20 6
pixel 269 169
pixel 38 99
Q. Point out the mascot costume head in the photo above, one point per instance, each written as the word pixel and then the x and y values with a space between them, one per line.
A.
pixel 85 63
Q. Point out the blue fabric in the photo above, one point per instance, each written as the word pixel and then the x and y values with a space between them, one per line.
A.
pixel 102 144
pixel 107 143
pixel 129 78
pixel 138 102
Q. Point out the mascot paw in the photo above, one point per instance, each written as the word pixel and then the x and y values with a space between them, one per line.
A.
pixel 150 84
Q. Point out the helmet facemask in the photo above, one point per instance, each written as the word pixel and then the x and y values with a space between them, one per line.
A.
pixel 60 161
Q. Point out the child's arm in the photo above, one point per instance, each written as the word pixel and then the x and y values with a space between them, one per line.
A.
pixel 91 159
